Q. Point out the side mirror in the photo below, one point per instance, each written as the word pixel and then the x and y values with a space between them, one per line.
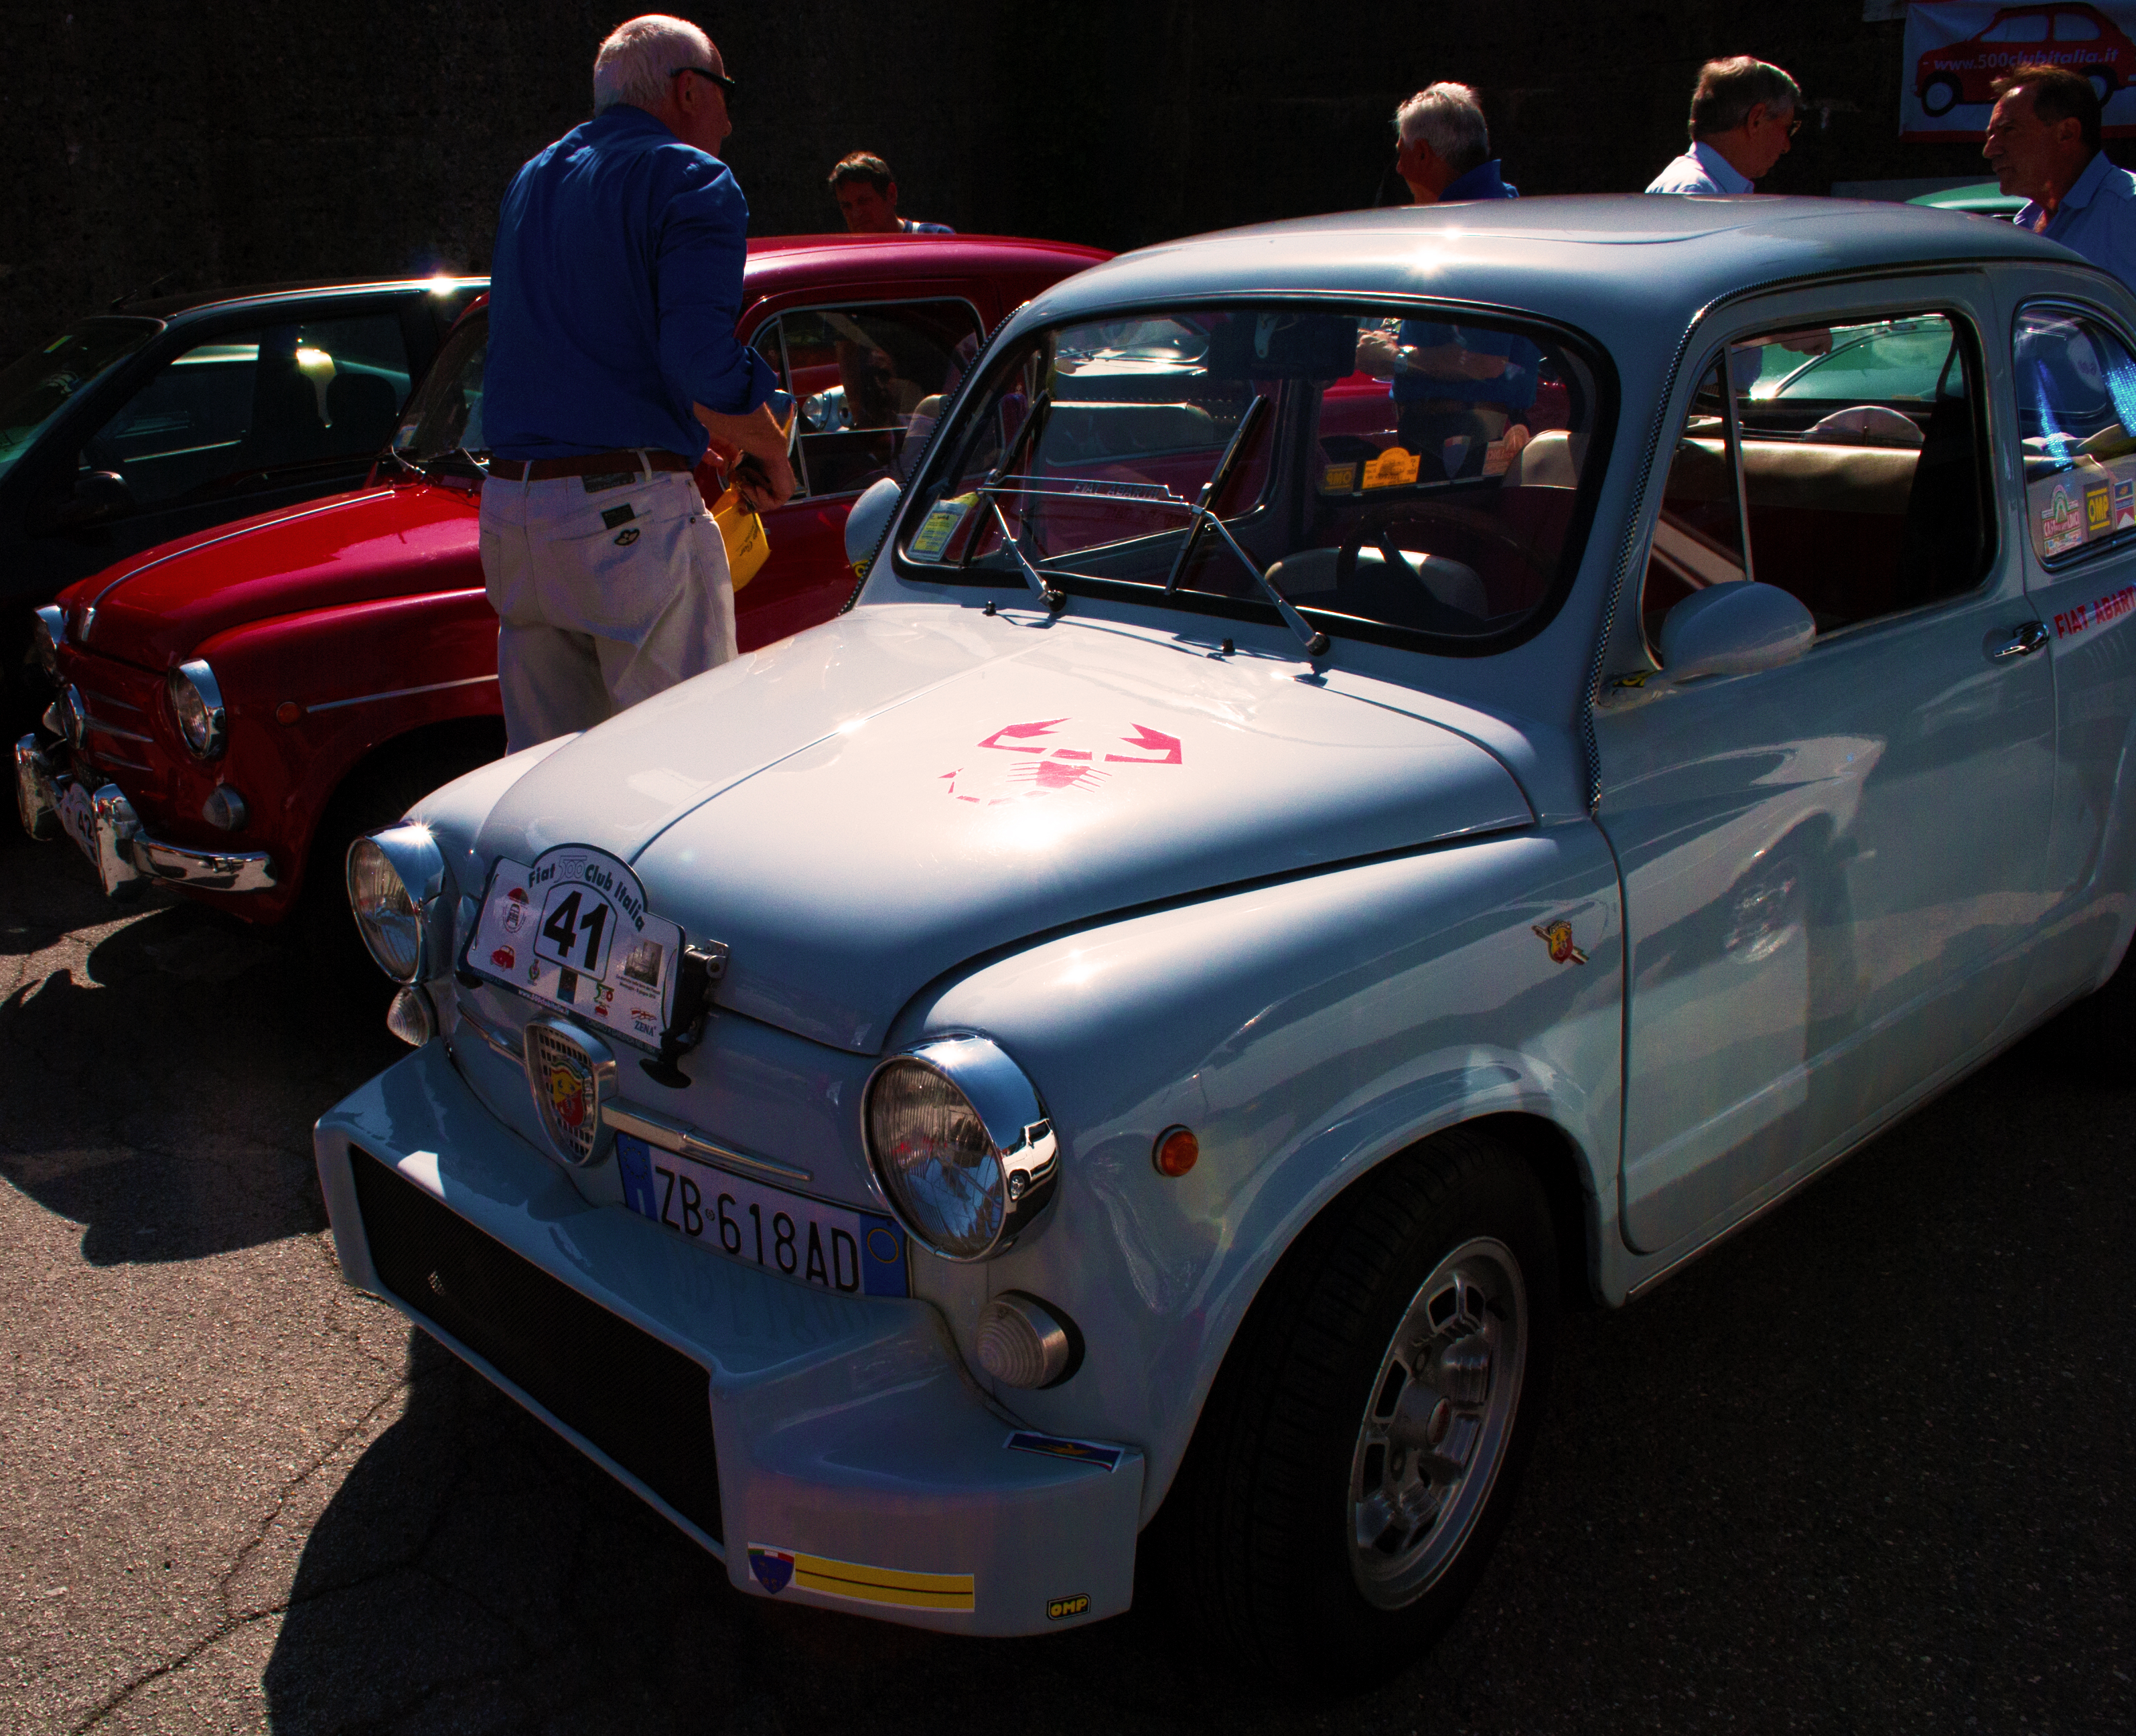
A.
pixel 98 498
pixel 1734 628
pixel 869 519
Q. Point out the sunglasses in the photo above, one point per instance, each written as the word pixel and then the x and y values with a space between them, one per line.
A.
pixel 721 79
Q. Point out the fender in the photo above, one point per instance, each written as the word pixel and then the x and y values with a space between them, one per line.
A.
pixel 312 695
pixel 1435 988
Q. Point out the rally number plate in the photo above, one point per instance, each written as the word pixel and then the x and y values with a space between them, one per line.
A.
pixel 77 812
pixel 831 1247
pixel 571 929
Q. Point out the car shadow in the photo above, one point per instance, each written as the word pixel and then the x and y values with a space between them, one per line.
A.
pixel 170 1066
pixel 1857 1462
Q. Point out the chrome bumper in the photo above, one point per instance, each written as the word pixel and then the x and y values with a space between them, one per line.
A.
pixel 102 821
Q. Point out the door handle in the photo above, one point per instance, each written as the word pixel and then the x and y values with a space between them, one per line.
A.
pixel 2030 637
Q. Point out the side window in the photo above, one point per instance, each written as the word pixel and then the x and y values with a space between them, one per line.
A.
pixel 214 418
pixel 871 382
pixel 2076 406
pixel 1861 458
pixel 2074 26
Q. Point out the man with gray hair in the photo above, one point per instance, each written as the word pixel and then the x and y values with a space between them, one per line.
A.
pixel 1442 147
pixel 614 287
pixel 1742 116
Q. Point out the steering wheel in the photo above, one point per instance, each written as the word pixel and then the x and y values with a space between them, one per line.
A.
pixel 1379 522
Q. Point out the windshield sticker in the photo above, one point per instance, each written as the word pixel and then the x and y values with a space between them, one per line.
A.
pixel 2061 526
pixel 1339 478
pixel 1392 468
pixel 2098 509
pixel 931 541
pixel 2124 505
pixel 1052 755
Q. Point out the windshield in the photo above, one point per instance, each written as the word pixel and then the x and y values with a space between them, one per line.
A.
pixel 1372 471
pixel 36 388
pixel 445 414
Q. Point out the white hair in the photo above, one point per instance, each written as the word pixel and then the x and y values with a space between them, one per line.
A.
pixel 1449 118
pixel 638 58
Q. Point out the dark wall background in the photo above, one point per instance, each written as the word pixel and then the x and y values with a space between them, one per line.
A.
pixel 242 142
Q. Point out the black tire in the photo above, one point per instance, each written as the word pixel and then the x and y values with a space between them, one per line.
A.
pixel 1940 95
pixel 376 794
pixel 1267 1536
pixel 2101 81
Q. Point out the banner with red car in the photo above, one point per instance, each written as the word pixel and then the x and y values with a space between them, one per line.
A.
pixel 1957 49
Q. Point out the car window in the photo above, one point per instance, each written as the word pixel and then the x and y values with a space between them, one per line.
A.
pixel 445 414
pixel 871 382
pixel 2025 27
pixel 1378 467
pixel 35 388
pixel 1866 485
pixel 2075 27
pixel 223 415
pixel 2077 418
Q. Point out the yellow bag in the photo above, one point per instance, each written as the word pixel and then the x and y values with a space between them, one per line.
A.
pixel 741 529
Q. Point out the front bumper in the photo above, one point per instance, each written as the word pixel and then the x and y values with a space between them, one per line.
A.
pixel 855 1465
pixel 51 801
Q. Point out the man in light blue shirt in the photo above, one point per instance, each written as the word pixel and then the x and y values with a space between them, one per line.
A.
pixel 1743 114
pixel 2043 142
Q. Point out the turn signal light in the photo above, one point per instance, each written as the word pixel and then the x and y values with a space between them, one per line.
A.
pixel 1176 1150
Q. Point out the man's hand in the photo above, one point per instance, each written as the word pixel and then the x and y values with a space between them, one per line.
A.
pixel 761 472
pixel 1376 353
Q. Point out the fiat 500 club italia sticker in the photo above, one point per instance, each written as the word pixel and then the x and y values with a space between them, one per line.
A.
pixel 572 930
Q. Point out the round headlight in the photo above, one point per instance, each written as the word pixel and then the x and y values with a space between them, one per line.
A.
pixel 386 911
pixel 961 1144
pixel 196 703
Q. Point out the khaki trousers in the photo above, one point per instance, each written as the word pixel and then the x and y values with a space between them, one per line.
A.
pixel 602 600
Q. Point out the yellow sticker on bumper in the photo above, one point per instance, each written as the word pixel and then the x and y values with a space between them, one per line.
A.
pixel 775 1568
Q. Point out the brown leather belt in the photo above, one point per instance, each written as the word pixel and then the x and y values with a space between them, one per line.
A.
pixel 600 469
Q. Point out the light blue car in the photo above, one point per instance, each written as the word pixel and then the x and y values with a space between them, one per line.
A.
pixel 1389 775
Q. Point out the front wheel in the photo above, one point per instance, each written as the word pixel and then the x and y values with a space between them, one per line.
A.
pixel 2101 82
pixel 1940 95
pixel 1360 1451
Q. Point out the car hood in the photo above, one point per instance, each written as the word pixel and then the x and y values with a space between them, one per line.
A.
pixel 157 608
pixel 861 808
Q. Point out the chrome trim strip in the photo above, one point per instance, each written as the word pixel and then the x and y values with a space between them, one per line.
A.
pixel 671 1135
pixel 365 699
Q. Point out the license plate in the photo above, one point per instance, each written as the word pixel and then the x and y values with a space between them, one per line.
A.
pixel 77 812
pixel 571 929
pixel 831 1247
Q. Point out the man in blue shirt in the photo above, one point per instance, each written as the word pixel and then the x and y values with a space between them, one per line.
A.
pixel 2043 142
pixel 614 287
pixel 1458 390
pixel 1744 113
pixel 866 192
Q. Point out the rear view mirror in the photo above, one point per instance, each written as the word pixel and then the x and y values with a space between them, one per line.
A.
pixel 1734 628
pixel 869 519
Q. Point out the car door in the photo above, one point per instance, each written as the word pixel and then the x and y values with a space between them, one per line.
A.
pixel 2074 435
pixel 1829 866
pixel 870 379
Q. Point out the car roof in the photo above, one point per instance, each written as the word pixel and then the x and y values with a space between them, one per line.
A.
pixel 1600 260
pixel 202 301
pixel 781 262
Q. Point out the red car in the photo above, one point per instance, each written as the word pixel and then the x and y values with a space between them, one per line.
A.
pixel 237 706
pixel 2080 37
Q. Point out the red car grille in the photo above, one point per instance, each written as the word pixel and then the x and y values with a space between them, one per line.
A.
pixel 119 702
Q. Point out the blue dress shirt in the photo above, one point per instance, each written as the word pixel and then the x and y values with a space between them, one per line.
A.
pixel 2097 218
pixel 1513 389
pixel 613 290
pixel 1483 182
pixel 1702 169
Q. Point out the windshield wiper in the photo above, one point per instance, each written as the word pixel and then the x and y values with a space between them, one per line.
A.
pixel 1248 420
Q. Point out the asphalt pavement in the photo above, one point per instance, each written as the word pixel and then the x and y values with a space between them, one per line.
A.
pixel 1868 1467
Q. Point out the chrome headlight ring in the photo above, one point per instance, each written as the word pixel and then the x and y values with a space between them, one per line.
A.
pixel 196 703
pixel 962 1145
pixel 46 637
pixel 401 893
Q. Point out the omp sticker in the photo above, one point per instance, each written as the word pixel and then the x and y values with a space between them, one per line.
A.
pixel 1339 478
pixel 1056 755
pixel 2097 613
pixel 2061 527
pixel 2098 509
pixel 932 538
pixel 1392 468
pixel 1061 1446
pixel 775 1568
pixel 1059 1609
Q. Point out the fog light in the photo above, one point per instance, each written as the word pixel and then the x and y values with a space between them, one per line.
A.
pixel 410 1017
pixel 1022 1342
pixel 224 807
